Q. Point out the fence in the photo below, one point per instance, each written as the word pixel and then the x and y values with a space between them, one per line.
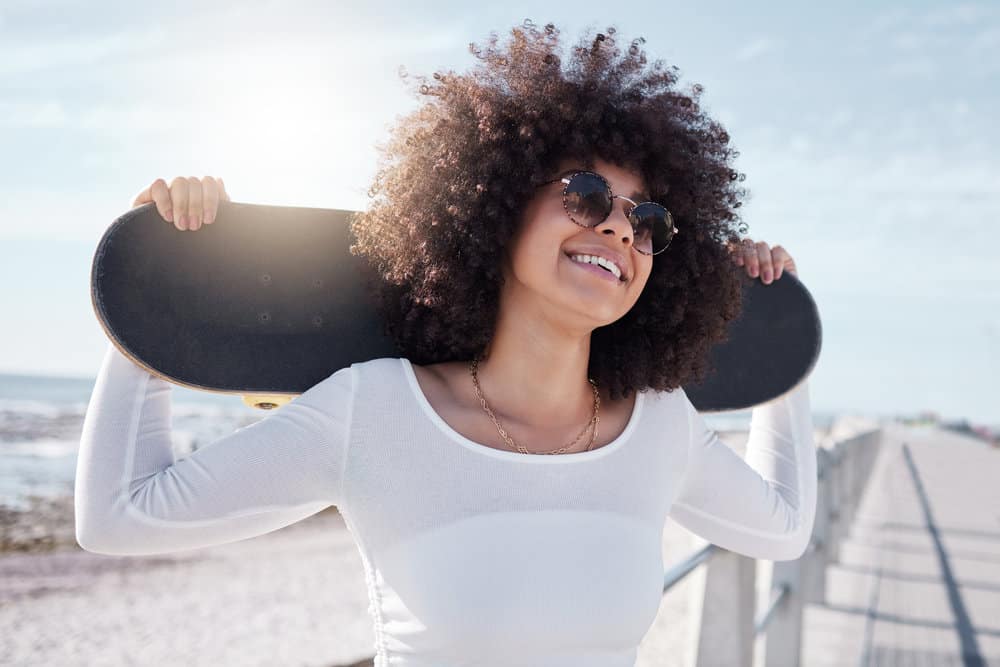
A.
pixel 725 593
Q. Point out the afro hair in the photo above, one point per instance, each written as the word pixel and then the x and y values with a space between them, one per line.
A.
pixel 455 174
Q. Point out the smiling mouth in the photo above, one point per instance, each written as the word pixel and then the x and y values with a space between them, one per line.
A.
pixel 596 266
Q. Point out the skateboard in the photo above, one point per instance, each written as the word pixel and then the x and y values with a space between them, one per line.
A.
pixel 267 301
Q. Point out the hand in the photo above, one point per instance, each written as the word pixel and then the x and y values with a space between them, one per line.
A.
pixel 188 202
pixel 758 259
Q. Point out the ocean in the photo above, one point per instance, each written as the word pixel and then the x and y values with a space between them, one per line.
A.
pixel 41 419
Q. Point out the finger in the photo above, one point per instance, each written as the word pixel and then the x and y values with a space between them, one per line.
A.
pixel 224 195
pixel 158 193
pixel 782 262
pixel 179 199
pixel 736 252
pixel 778 258
pixel 750 258
pixel 764 260
pixel 210 190
pixel 144 197
pixel 161 195
pixel 195 202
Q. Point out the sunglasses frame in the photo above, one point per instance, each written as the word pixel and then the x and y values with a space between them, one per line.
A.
pixel 566 179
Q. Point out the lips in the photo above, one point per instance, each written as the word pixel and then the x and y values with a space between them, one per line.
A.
pixel 596 270
pixel 608 254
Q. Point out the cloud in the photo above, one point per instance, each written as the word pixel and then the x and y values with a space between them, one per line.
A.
pixel 985 43
pixel 221 31
pixel 137 117
pixel 755 49
pixel 840 118
pixel 957 15
pixel 948 41
pixel 27 56
pixel 41 114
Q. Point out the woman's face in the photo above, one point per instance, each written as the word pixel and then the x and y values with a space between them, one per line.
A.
pixel 539 260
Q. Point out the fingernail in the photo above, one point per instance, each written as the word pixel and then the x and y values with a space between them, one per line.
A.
pixel 183 222
pixel 208 218
pixel 753 271
pixel 169 216
pixel 767 276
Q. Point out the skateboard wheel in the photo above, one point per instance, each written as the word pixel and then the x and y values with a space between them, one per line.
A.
pixel 264 402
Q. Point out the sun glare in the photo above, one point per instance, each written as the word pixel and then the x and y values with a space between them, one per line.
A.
pixel 287 126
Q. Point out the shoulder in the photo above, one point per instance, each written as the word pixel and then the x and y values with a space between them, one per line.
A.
pixel 346 377
pixel 381 364
pixel 384 369
pixel 673 401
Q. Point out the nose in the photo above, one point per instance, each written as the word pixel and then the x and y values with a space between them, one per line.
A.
pixel 617 223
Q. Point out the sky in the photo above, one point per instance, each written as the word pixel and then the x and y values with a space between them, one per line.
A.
pixel 866 132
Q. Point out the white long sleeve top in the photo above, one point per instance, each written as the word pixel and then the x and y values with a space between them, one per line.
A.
pixel 472 555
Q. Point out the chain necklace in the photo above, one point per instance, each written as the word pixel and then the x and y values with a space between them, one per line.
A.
pixel 474 367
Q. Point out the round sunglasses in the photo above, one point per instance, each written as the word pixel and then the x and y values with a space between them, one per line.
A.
pixel 588 201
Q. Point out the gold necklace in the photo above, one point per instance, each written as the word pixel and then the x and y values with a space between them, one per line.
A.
pixel 474 367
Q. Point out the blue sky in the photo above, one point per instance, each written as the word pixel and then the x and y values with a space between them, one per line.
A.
pixel 867 133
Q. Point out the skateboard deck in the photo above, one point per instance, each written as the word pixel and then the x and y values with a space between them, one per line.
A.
pixel 267 301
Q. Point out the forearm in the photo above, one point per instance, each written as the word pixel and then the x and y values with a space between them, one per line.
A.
pixel 133 497
pixel 764 504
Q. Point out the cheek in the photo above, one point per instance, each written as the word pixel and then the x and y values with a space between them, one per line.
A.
pixel 538 246
pixel 640 282
pixel 536 264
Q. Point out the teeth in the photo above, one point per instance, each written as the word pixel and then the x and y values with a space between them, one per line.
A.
pixel 599 261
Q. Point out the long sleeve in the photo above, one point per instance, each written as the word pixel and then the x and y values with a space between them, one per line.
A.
pixel 132 497
pixel 762 506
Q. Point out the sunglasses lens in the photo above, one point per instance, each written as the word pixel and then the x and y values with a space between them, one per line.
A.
pixel 587 199
pixel 653 227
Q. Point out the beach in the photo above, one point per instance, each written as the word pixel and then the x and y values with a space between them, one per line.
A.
pixel 292 597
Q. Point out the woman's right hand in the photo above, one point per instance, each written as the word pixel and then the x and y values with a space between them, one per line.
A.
pixel 187 202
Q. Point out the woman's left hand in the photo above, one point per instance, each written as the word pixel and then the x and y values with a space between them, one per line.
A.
pixel 759 259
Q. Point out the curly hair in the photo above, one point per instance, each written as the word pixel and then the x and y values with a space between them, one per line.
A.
pixel 456 173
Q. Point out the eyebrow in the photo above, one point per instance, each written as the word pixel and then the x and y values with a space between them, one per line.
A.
pixel 638 196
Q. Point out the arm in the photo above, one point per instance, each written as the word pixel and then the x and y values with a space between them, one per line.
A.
pixel 763 506
pixel 132 497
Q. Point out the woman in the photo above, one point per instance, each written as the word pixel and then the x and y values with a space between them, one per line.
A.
pixel 558 257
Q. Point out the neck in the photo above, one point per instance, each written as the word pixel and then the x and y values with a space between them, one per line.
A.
pixel 534 371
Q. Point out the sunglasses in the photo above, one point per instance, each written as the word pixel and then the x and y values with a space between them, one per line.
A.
pixel 588 201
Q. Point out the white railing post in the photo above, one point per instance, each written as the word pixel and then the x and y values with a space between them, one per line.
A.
pixel 857 471
pixel 833 495
pixel 814 588
pixel 850 482
pixel 723 601
pixel 845 511
pixel 861 451
pixel 872 445
pixel 783 627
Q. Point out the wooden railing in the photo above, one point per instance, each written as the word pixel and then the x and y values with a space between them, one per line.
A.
pixel 725 592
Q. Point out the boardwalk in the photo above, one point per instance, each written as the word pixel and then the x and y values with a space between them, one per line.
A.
pixel 918 579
